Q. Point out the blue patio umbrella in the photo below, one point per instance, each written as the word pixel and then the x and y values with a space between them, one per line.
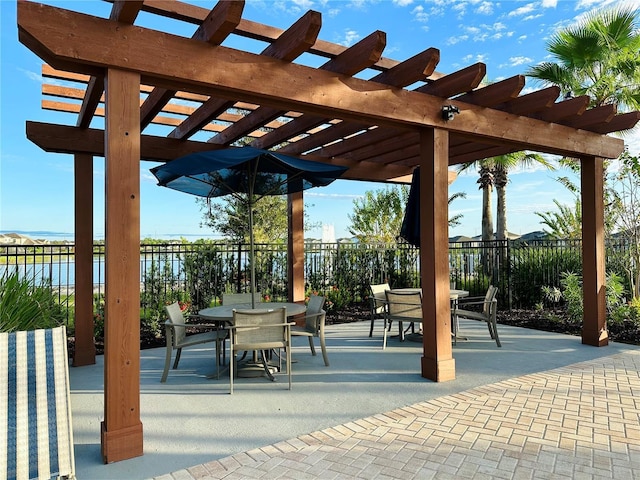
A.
pixel 410 229
pixel 247 173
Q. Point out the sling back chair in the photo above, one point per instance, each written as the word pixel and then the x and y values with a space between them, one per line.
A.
pixel 402 307
pixel 177 339
pixel 488 312
pixel 314 320
pixel 260 330
pixel 377 303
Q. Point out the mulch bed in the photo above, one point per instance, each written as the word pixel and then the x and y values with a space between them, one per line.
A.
pixel 553 320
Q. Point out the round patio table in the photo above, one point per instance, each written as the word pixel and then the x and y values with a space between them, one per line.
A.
pixel 224 314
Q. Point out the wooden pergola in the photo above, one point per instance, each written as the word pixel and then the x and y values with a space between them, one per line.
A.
pixel 379 117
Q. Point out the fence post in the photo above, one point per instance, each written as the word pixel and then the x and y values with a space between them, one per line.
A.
pixel 509 275
pixel 239 280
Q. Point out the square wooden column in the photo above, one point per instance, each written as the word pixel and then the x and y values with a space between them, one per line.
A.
pixel 84 350
pixel 121 428
pixel 437 363
pixel 295 247
pixel 594 320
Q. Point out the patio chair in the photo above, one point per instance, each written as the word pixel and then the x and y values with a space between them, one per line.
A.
pixel 176 336
pixel 314 325
pixel 240 298
pixel 261 330
pixel 487 312
pixel 377 303
pixel 37 438
pixel 402 307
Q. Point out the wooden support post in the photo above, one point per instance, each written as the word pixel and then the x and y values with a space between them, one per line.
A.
pixel 437 363
pixel 121 429
pixel 594 326
pixel 295 247
pixel 84 352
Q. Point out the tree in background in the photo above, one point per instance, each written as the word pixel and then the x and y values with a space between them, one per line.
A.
pixel 566 223
pixel 597 57
pixel 501 167
pixel 229 216
pixel 377 217
pixel 624 193
pixel 494 172
pixel 456 220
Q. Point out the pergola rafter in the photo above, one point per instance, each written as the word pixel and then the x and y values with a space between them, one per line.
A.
pixel 377 116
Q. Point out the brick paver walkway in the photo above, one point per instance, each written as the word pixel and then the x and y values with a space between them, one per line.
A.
pixel 580 421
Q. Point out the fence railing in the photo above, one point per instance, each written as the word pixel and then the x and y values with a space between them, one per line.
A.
pixel 200 272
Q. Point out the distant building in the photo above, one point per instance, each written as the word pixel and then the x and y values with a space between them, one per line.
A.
pixel 328 233
pixel 16 239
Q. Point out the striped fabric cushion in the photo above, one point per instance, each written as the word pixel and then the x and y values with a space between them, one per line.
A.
pixel 35 407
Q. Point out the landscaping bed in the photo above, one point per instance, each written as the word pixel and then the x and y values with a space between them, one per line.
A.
pixel 549 320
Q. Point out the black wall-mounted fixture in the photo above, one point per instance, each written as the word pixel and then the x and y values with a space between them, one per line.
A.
pixel 449 111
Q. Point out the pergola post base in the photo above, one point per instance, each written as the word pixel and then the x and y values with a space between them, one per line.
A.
pixel 438 370
pixel 595 339
pixel 121 444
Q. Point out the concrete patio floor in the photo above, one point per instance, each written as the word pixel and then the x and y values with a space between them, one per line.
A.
pixel 542 406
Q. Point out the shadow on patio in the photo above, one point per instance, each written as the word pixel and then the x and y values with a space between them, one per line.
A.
pixel 191 420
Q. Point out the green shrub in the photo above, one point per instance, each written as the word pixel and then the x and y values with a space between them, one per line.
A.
pixel 205 274
pixel 337 299
pixel 572 293
pixel 25 305
pixel 161 287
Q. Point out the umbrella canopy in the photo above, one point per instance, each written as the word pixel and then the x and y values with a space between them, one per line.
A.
pixel 410 229
pixel 244 172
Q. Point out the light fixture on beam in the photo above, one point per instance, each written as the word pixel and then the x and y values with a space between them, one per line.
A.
pixel 448 112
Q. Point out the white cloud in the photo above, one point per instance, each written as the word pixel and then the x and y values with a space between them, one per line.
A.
pixel 632 141
pixel 333 196
pixel 521 60
pixel 589 4
pixel 461 8
pixel 419 14
pixel 303 4
pixel 36 77
pixel 350 37
pixel 524 10
pixel 454 40
pixel 549 3
pixel 402 3
pixel 485 8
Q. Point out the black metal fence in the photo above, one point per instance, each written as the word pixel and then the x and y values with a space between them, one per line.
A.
pixel 200 272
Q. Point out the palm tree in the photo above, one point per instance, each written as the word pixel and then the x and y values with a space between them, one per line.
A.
pixel 455 220
pixel 494 172
pixel 501 166
pixel 597 57
pixel 486 185
pixel 565 223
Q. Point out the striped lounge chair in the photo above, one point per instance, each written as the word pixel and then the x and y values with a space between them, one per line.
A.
pixel 36 439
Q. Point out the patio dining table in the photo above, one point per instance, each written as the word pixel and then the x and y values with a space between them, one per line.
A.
pixel 223 314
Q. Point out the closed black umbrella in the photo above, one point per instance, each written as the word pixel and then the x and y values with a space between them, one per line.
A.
pixel 244 172
pixel 410 229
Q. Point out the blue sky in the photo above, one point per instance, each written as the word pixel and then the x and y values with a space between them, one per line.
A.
pixel 36 188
